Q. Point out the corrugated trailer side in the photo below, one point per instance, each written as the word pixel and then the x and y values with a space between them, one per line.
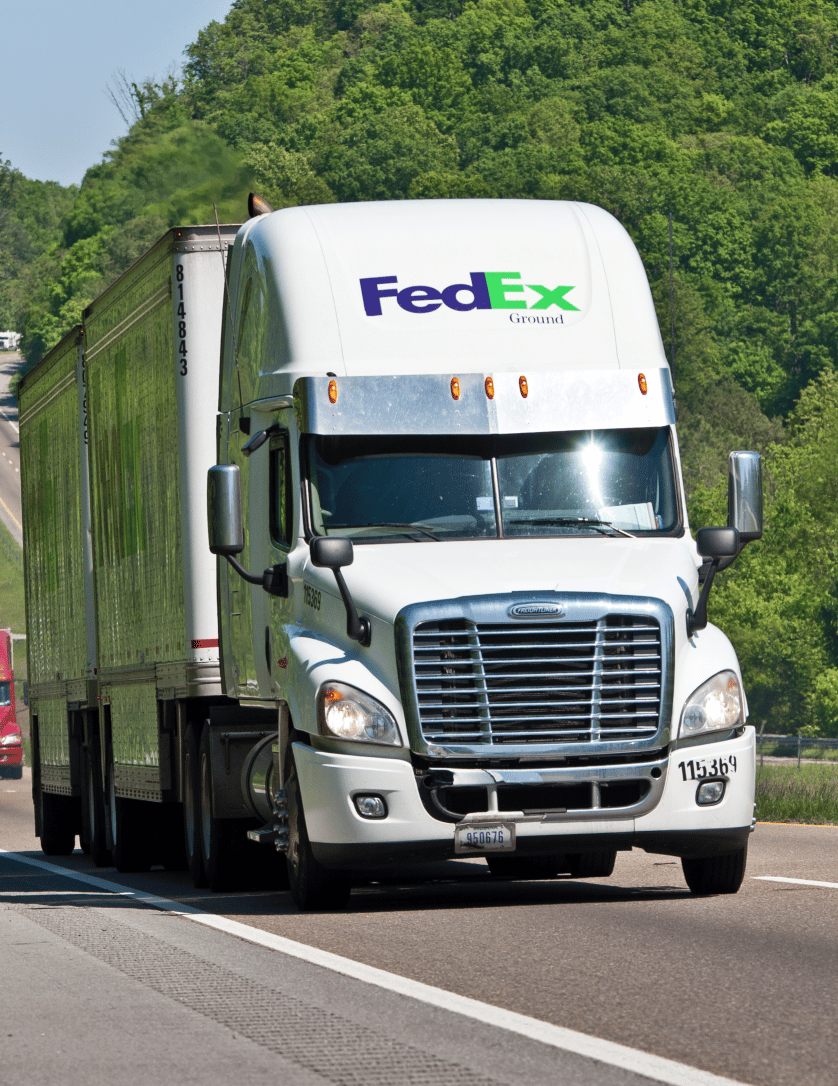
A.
pixel 51 441
pixel 152 347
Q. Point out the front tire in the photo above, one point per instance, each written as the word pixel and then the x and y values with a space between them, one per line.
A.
pixel 591 865
pixel 314 888
pixel 715 874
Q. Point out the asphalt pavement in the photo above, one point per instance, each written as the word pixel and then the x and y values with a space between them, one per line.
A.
pixel 740 987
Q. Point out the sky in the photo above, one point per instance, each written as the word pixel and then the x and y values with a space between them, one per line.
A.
pixel 58 59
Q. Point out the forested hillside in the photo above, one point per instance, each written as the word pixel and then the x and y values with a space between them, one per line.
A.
pixel 723 113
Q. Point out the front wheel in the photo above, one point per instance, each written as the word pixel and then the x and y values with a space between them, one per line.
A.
pixel 313 887
pixel 591 865
pixel 715 874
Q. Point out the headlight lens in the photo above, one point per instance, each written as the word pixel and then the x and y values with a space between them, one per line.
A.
pixel 12 740
pixel 716 706
pixel 346 713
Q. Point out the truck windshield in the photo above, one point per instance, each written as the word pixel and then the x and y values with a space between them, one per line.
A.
pixel 602 482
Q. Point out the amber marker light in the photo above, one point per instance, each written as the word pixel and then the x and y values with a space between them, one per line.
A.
pixel 332 695
pixel 490 388
pixel 455 388
pixel 523 386
pixel 333 392
pixel 641 380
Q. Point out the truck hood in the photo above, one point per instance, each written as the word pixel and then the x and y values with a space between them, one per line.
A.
pixel 385 578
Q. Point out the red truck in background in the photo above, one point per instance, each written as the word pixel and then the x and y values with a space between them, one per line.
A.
pixel 11 744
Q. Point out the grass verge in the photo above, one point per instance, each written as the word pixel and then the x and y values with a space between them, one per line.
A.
pixel 787 794
pixel 12 608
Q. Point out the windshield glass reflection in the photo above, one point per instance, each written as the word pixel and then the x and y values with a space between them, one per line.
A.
pixel 431 488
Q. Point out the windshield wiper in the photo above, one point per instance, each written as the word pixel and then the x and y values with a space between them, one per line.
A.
pixel 570 522
pixel 405 528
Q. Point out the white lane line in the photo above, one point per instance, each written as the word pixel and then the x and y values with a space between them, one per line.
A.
pixel 568 1040
pixel 11 422
pixel 800 882
pixel 11 514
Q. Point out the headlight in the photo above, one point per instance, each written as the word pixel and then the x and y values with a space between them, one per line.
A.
pixel 345 713
pixel 12 740
pixel 715 707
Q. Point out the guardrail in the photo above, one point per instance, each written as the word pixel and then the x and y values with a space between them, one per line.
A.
pixel 800 747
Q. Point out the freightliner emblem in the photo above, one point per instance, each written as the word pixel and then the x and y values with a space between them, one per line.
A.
pixel 536 610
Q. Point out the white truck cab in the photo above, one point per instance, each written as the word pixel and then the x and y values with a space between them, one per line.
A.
pixel 447 435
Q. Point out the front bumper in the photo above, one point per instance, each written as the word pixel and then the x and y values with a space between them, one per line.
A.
pixel 11 757
pixel 668 820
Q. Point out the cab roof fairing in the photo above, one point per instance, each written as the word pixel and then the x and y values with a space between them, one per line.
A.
pixel 317 320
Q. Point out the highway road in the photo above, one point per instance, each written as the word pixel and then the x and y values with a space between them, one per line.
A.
pixel 742 987
pixel 10 510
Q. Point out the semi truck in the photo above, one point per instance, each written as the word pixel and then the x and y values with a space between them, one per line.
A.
pixel 11 741
pixel 356 539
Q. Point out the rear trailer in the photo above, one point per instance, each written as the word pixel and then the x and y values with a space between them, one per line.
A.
pixel 117 429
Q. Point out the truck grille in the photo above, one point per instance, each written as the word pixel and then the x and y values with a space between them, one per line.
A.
pixel 538 682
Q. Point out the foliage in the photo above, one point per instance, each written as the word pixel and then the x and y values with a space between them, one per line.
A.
pixel 12 612
pixel 722 115
pixel 785 793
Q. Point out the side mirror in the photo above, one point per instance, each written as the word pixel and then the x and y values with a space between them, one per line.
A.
pixel 224 510
pixel 744 495
pixel 330 552
pixel 717 542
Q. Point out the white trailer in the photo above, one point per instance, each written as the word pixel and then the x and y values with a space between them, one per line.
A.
pixel 461 612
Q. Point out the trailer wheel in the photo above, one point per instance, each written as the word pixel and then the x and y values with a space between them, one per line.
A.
pixel 129 831
pixel 191 809
pixel 221 840
pixel 93 810
pixel 715 874
pixel 526 867
pixel 591 865
pixel 58 834
pixel 313 887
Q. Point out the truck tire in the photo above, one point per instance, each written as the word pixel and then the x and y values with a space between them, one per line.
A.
pixel 129 831
pixel 93 811
pixel 591 865
pixel 314 888
pixel 526 867
pixel 715 874
pixel 192 810
pixel 221 840
pixel 58 834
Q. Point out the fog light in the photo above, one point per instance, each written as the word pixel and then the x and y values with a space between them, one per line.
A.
pixel 371 806
pixel 709 792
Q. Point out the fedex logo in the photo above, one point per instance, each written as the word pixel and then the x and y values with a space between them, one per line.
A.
pixel 485 290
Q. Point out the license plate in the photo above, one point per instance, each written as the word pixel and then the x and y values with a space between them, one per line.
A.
pixel 486 837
